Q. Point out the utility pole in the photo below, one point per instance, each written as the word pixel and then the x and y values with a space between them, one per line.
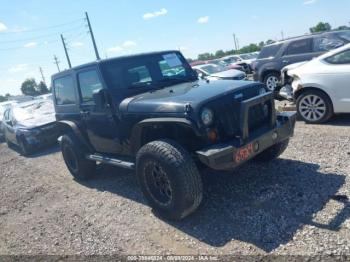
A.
pixel 65 50
pixel 57 62
pixel 282 34
pixel 42 75
pixel 92 36
pixel 234 39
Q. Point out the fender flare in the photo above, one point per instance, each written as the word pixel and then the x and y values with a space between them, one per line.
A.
pixel 136 133
pixel 76 131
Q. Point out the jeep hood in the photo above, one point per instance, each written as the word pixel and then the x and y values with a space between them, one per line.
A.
pixel 174 99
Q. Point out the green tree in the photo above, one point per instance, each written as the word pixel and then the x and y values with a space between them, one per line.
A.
pixel 205 56
pixel 3 98
pixel 219 53
pixel 249 48
pixel 42 88
pixel 321 27
pixel 269 42
pixel 29 87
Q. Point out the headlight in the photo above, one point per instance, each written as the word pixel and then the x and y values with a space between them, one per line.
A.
pixel 207 116
pixel 262 91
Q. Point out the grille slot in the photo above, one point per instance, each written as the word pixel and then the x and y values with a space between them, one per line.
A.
pixel 228 113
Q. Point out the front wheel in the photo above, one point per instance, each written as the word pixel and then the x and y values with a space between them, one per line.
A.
pixel 73 152
pixel 169 179
pixel 272 81
pixel 314 107
pixel 272 152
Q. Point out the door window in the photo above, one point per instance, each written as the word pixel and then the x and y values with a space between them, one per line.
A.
pixel 299 47
pixel 89 82
pixel 64 91
pixel 341 58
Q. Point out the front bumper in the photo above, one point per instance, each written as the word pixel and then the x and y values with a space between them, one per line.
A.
pixel 42 136
pixel 224 156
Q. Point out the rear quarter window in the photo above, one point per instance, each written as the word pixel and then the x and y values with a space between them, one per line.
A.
pixel 324 44
pixel 64 90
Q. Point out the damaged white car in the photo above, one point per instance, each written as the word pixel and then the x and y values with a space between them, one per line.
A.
pixel 320 87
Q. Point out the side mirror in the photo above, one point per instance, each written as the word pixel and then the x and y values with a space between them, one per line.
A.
pixel 201 75
pixel 99 97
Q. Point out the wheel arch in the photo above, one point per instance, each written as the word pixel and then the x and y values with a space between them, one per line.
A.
pixel 67 126
pixel 162 128
pixel 312 88
pixel 269 71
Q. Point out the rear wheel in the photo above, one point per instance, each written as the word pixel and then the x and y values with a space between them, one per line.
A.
pixel 314 107
pixel 74 155
pixel 272 152
pixel 169 179
pixel 272 80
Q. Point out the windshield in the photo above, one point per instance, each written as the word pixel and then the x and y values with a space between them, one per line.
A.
pixel 246 56
pixel 33 110
pixel 212 69
pixel 147 71
pixel 269 51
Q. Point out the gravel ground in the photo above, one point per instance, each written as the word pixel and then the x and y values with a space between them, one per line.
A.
pixel 296 205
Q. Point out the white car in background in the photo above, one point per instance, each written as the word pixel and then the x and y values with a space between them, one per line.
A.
pixel 216 72
pixel 244 60
pixel 321 87
pixel 3 107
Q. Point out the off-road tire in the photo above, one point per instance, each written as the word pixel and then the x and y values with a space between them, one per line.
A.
pixel 272 152
pixel 327 102
pixel 183 176
pixel 74 153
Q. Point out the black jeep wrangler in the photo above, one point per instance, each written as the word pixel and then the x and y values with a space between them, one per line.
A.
pixel 150 113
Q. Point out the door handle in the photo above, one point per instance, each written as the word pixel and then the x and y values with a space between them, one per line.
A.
pixel 285 61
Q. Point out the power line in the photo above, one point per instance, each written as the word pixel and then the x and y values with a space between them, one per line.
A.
pixel 44 28
pixel 39 37
pixel 23 47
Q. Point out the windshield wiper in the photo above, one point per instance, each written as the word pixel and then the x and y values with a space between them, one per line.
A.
pixel 172 80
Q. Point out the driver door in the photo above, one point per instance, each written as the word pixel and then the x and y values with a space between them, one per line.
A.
pixel 100 123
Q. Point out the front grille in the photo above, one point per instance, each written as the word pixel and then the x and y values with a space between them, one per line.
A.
pixel 258 116
pixel 228 117
pixel 228 114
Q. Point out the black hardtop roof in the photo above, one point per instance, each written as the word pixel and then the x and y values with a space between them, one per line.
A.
pixel 62 73
pixel 306 36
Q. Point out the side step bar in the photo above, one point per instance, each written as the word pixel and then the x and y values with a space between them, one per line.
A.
pixel 111 161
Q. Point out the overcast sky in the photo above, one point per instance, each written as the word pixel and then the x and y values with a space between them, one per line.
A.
pixel 29 30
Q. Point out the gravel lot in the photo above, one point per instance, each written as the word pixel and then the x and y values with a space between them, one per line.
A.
pixel 295 205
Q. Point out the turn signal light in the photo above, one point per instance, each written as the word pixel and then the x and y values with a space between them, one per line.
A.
pixel 212 135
